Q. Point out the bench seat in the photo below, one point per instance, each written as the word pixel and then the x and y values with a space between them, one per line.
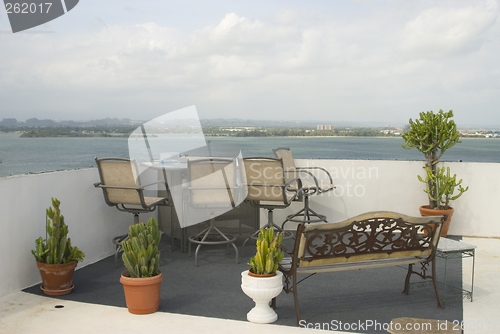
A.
pixel 380 263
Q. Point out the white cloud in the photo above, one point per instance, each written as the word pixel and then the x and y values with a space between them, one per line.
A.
pixel 386 61
pixel 441 32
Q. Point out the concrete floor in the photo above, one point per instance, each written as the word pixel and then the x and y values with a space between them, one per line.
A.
pixel 28 313
pixel 483 314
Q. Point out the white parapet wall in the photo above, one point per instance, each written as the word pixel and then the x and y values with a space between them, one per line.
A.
pixel 92 223
pixel 367 185
pixel 362 186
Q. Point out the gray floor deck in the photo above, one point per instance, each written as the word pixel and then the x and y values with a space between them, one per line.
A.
pixel 213 290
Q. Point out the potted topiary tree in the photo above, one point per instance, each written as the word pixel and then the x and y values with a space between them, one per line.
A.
pixel 55 257
pixel 262 282
pixel 142 279
pixel 433 134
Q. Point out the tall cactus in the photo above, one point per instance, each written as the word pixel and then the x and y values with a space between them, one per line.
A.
pixel 56 247
pixel 269 253
pixel 140 252
pixel 432 134
pixel 443 187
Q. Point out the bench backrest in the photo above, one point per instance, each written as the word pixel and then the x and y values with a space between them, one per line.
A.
pixel 374 235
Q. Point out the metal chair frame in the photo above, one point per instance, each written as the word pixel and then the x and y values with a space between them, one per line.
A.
pixel 144 208
pixel 306 214
pixel 203 237
pixel 285 187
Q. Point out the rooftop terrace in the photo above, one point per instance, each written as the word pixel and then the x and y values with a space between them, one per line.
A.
pixel 191 295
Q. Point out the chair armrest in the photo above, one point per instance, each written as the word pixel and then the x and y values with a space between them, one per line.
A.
pixel 297 192
pixel 324 170
pixel 283 187
pixel 318 168
pixel 99 185
pixel 311 175
pixel 151 184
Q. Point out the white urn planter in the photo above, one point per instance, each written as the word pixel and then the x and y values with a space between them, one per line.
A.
pixel 262 290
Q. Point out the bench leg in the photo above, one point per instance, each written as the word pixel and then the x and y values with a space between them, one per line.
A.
pixel 296 299
pixel 434 281
pixel 407 280
pixel 291 286
pixel 424 276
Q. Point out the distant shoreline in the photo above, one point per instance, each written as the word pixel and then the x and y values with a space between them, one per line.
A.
pixel 214 137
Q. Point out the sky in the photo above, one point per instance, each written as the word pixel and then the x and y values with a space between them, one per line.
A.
pixel 330 61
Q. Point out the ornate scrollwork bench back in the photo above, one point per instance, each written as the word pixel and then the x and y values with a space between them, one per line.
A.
pixel 370 240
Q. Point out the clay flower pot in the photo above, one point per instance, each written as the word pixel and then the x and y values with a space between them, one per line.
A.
pixel 426 212
pixel 57 278
pixel 142 295
pixel 262 290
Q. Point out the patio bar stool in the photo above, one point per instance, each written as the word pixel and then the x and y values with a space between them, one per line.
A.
pixel 268 189
pixel 306 214
pixel 122 188
pixel 212 190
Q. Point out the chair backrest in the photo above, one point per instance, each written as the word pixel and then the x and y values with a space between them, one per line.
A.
pixel 285 154
pixel 265 179
pixel 212 182
pixel 118 172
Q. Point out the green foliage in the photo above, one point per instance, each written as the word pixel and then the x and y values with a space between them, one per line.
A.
pixel 56 247
pixel 444 186
pixel 140 252
pixel 432 134
pixel 269 253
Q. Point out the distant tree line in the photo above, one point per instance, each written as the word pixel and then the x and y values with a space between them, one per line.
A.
pixel 290 132
pixel 75 132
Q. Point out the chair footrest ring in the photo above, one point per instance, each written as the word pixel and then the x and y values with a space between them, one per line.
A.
pixel 312 219
pixel 230 240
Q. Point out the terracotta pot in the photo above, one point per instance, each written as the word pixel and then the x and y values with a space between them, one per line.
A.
pixel 142 295
pixel 250 272
pixel 57 278
pixel 426 212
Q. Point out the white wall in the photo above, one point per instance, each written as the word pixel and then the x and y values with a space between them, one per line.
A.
pixel 92 224
pixel 362 186
pixel 367 185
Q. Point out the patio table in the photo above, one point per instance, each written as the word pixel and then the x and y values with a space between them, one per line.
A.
pixel 452 249
pixel 449 249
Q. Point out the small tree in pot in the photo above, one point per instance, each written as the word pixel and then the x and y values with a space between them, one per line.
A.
pixel 56 257
pixel 433 134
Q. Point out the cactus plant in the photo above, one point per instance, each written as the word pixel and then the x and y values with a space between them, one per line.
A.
pixel 56 248
pixel 140 252
pixel 444 186
pixel 269 253
pixel 432 135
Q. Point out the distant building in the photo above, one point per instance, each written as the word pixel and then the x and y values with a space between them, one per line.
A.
pixel 238 128
pixel 324 127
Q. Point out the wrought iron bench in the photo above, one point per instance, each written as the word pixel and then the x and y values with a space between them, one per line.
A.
pixel 371 240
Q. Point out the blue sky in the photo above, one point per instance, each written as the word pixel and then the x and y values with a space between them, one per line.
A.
pixel 317 60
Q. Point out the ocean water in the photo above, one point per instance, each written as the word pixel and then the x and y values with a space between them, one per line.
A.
pixel 33 155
